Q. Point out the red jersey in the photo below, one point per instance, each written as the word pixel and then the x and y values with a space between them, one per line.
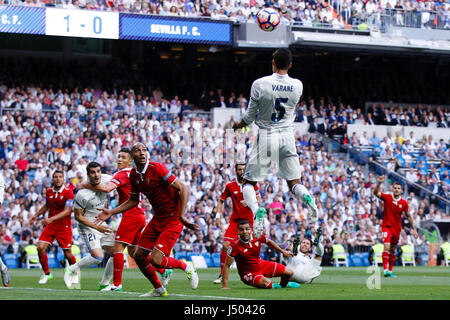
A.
pixel 233 190
pixel 247 255
pixel 392 212
pixel 122 181
pixel 57 200
pixel 155 182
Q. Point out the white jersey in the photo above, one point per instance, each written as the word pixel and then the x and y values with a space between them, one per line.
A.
pixel 273 100
pixel 305 268
pixel 90 200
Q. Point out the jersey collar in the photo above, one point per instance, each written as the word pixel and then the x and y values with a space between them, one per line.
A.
pixel 58 191
pixel 143 170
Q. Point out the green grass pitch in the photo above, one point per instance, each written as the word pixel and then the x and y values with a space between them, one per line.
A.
pixel 417 283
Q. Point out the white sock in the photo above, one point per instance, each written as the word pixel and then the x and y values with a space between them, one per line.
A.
pixel 249 193
pixel 2 265
pixel 108 273
pixel 86 262
pixel 318 250
pixel 299 190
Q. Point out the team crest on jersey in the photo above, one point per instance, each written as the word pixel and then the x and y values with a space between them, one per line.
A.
pixel 245 250
pixel 51 197
pixel 61 197
pixel 257 243
pixel 235 192
pixel 400 206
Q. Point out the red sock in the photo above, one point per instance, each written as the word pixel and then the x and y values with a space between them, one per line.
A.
pixel 269 286
pixel 284 281
pixel 150 274
pixel 392 258
pixel 385 256
pixel 118 268
pixel 43 259
pixel 172 263
pixel 223 258
pixel 160 270
pixel 72 260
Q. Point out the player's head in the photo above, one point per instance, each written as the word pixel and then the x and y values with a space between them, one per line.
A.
pixel 397 189
pixel 139 153
pixel 282 59
pixel 244 230
pixel 124 158
pixel 306 245
pixel 94 172
pixel 58 179
pixel 239 167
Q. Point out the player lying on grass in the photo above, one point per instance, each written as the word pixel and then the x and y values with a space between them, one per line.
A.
pixel 253 270
pixel 96 237
pixel 306 267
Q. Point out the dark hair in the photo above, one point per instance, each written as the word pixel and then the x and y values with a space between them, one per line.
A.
pixel 310 241
pixel 396 182
pixel 57 171
pixel 282 58
pixel 242 222
pixel 126 150
pixel 238 164
pixel 91 165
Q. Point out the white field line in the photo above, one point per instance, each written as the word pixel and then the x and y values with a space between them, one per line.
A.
pixel 123 292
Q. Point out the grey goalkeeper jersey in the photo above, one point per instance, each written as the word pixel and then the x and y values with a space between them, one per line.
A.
pixel 273 100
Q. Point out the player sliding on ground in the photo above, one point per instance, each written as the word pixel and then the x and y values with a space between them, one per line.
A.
pixel 233 190
pixel 254 271
pixel 306 267
pixel 394 206
pixel 168 197
pixel 273 100
pixel 96 237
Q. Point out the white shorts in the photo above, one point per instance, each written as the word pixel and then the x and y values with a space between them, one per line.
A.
pixel 273 146
pixel 305 272
pixel 94 239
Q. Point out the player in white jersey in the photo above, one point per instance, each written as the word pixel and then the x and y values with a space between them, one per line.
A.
pixel 96 237
pixel 273 100
pixel 306 268
pixel 6 279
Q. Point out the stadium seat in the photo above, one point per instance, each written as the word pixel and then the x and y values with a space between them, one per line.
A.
pixel 356 260
pixel 190 254
pixel 378 253
pixel 339 255
pixel 365 258
pixel 446 252
pixel 31 257
pixel 408 255
pixel 208 260
pixel 216 259
pixel 199 262
pixel 11 260
pixel 52 261
pixel 181 255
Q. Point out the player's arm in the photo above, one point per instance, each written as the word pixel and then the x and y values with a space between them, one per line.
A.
pixel 226 272
pixel 184 198
pixel 40 212
pixel 252 110
pixel 133 201
pixel 82 219
pixel 66 212
pixel 411 223
pixel 219 212
pixel 108 187
pixel 377 191
pixel 273 245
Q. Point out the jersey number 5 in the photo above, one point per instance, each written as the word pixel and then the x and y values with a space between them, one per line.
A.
pixel 281 111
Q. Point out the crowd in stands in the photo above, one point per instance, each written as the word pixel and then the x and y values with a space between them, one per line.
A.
pixel 33 144
pixel 335 13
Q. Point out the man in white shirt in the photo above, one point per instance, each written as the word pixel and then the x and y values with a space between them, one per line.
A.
pixel 272 107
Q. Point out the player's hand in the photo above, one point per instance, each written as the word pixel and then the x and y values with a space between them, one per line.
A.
pixel 244 204
pixel 104 214
pixel 83 185
pixel 414 233
pixel 287 253
pixel 32 220
pixel 104 229
pixel 46 222
pixel 190 225
pixel 381 179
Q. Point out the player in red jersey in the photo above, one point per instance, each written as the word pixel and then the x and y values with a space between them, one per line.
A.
pixel 132 223
pixel 58 224
pixel 394 207
pixel 253 270
pixel 168 197
pixel 240 211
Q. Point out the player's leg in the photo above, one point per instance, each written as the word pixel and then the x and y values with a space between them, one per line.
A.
pixel 302 193
pixel 392 256
pixel 387 235
pixel 262 282
pixel 64 239
pixel 109 268
pixel 69 256
pixel 147 269
pixel 6 279
pixel 43 259
pixel 223 258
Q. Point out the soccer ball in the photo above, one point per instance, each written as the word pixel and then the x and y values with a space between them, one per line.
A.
pixel 268 19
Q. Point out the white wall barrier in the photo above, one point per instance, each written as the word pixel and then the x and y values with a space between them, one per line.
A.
pixel 437 133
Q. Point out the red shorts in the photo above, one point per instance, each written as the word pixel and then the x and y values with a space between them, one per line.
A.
pixel 267 269
pixel 232 231
pixel 389 235
pixel 62 234
pixel 161 237
pixel 130 229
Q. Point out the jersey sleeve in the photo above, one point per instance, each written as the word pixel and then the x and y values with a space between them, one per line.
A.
pixel 80 201
pixel 263 238
pixel 164 173
pixel 256 189
pixel 384 196
pixel 252 110
pixel 69 198
pixel 119 179
pixel 225 194
pixel 231 252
